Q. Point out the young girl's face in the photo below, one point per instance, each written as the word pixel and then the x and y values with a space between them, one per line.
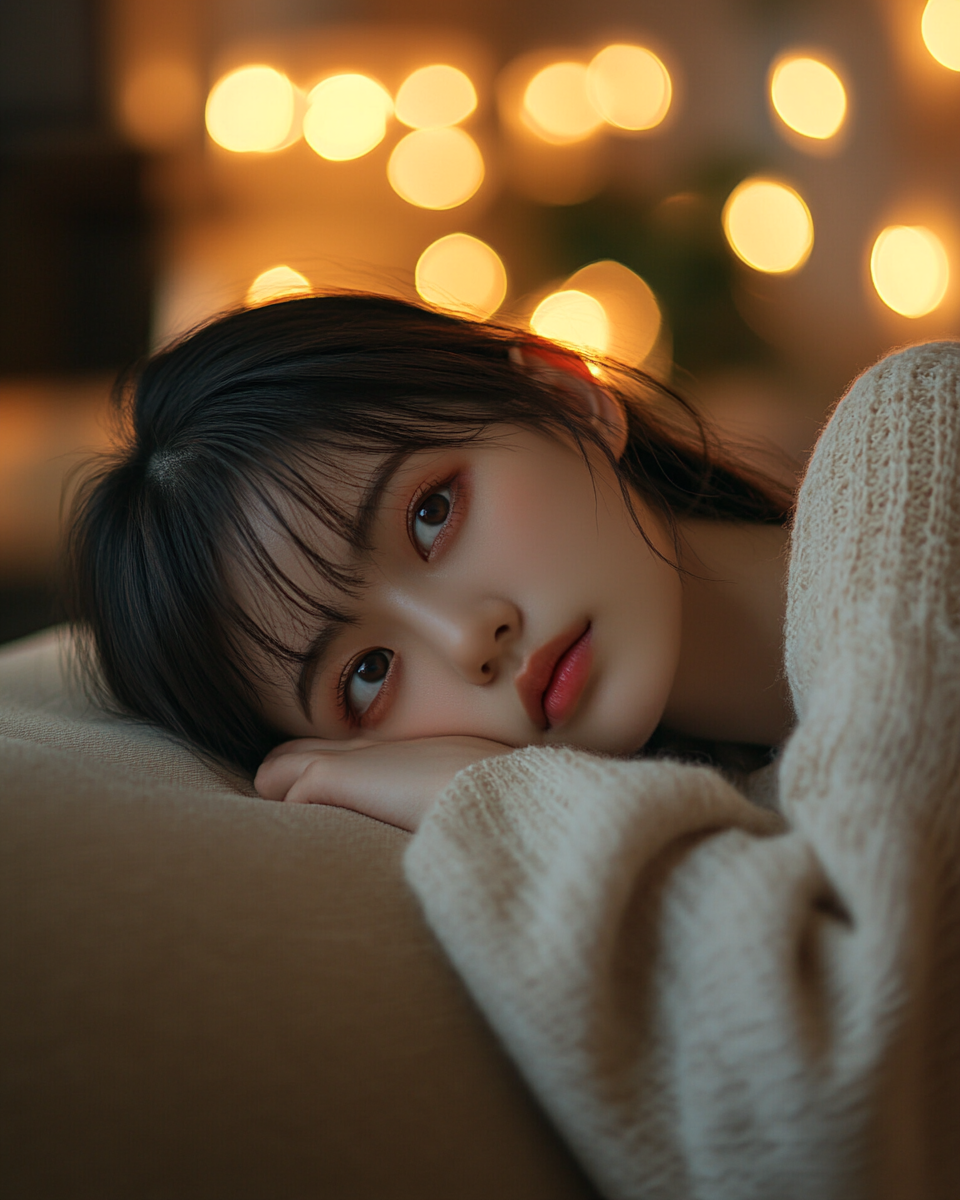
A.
pixel 508 595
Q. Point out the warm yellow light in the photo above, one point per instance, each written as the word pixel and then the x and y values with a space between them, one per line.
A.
pixel 460 273
pixel 573 318
pixel 768 225
pixel 276 283
pixel 940 26
pixel 434 96
pixel 629 86
pixel 556 105
pixel 436 168
pixel 631 309
pixel 159 102
pixel 808 96
pixel 252 108
pixel 346 117
pixel 910 269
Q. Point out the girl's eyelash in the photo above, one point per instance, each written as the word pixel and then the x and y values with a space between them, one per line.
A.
pixel 344 707
pixel 440 483
pixel 422 492
pixel 343 683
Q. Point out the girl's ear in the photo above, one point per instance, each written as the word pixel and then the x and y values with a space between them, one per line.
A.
pixel 566 370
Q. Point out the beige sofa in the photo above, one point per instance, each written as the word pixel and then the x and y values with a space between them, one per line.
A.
pixel 206 995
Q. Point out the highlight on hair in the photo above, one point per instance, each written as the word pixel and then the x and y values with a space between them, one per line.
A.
pixel 269 407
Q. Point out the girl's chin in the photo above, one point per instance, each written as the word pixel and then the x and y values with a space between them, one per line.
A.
pixel 594 742
pixel 621 741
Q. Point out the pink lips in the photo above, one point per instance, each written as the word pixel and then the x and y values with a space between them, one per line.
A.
pixel 567 682
pixel 554 676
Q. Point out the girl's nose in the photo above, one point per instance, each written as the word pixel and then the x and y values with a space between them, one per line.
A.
pixel 475 641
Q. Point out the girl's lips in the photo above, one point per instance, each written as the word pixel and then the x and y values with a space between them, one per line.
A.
pixel 568 680
pixel 553 677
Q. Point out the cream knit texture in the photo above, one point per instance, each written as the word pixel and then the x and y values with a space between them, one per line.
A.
pixel 714 1000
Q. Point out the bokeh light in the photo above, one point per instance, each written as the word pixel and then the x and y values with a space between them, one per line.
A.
pixel 910 269
pixel 462 274
pixel 159 102
pixel 629 86
pixel 275 284
pixel 574 319
pixel 346 117
pixel 940 27
pixel 251 109
pixel 436 168
pixel 556 105
pixel 808 96
pixel 434 96
pixel 631 309
pixel 768 225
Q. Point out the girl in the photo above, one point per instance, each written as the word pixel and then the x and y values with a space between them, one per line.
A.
pixel 220 561
pixel 414 544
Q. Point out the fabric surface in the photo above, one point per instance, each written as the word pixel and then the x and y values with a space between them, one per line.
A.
pixel 716 1001
pixel 204 996
pixel 42 700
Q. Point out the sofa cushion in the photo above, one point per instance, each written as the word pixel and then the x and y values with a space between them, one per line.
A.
pixel 42 700
pixel 206 995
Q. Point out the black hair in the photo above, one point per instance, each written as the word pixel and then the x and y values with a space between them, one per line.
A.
pixel 245 408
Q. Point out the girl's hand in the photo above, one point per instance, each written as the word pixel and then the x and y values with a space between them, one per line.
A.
pixel 394 782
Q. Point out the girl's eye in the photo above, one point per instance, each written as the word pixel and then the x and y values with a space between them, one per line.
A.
pixel 430 516
pixel 366 679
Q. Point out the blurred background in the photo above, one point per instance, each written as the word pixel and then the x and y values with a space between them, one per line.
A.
pixel 752 198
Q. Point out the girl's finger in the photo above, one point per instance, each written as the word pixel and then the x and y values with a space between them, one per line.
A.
pixel 315 783
pixel 278 774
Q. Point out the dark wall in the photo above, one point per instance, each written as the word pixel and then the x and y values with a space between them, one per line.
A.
pixel 74 227
pixel 75 231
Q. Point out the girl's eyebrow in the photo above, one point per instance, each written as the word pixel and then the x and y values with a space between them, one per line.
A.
pixel 315 655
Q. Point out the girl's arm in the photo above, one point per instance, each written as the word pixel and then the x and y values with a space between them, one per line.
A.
pixel 712 1002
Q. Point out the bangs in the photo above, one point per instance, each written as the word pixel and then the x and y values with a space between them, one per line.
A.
pixel 290 497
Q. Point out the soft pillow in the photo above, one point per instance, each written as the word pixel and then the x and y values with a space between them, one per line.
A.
pixel 42 700
pixel 206 995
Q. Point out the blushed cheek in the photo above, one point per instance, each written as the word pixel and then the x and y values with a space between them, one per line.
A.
pixel 528 535
pixel 436 704
pixel 638 693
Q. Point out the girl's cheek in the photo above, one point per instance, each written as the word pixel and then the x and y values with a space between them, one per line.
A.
pixel 514 537
pixel 432 705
